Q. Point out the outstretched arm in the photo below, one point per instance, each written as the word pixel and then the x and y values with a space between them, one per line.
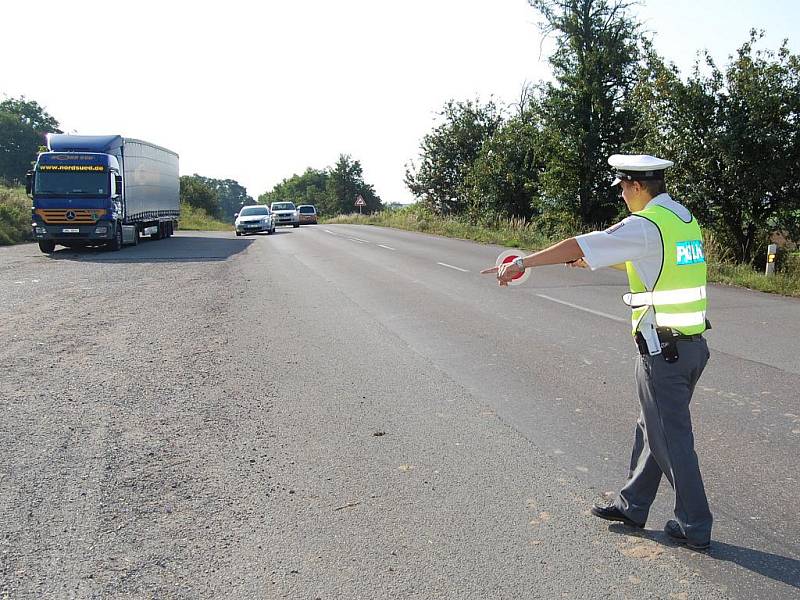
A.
pixel 564 251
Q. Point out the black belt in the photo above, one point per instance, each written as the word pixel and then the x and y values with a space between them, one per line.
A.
pixel 668 339
pixel 665 334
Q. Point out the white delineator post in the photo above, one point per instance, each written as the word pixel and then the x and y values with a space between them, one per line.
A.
pixel 772 250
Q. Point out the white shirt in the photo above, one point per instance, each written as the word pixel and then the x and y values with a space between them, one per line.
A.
pixel 637 240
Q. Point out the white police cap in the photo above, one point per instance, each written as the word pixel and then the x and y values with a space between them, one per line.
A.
pixel 638 167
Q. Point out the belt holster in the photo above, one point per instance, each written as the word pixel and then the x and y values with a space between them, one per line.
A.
pixel 668 339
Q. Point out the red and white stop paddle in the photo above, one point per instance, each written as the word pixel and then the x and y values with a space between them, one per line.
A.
pixel 509 256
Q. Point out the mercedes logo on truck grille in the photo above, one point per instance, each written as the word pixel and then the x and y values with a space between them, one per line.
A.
pixel 70 215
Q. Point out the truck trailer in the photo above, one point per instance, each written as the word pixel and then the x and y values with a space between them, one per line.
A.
pixel 92 190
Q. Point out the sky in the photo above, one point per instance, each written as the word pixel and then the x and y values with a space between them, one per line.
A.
pixel 259 91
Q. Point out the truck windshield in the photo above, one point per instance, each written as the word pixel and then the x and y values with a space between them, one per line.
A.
pixel 72 184
pixel 283 206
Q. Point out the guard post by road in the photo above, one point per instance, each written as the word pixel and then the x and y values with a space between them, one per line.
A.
pixel 772 250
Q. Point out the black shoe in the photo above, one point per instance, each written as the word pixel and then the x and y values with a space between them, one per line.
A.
pixel 609 512
pixel 675 533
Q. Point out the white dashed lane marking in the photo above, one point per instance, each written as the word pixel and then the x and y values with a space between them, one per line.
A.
pixel 452 267
pixel 387 247
pixel 583 308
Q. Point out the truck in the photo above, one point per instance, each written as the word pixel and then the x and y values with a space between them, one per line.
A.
pixel 102 190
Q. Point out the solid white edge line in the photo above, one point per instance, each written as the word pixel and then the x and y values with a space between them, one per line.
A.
pixel 452 267
pixel 583 308
pixel 387 247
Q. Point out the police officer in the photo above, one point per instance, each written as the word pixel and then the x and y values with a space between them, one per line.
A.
pixel 661 248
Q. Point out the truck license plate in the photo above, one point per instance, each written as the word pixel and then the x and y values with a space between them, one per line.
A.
pixel 67 230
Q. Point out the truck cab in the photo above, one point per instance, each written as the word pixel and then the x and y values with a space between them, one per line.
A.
pixel 77 199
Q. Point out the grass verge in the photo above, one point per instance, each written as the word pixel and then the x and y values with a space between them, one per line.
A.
pixel 196 219
pixel 15 216
pixel 516 233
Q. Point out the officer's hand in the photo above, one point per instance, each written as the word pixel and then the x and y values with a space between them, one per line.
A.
pixel 505 273
pixel 578 264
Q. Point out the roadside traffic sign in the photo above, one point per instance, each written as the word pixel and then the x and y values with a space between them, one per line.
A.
pixel 360 201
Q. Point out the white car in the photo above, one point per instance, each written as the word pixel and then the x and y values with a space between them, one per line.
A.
pixel 285 213
pixel 253 219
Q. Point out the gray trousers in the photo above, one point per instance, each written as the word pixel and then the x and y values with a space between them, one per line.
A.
pixel 664 443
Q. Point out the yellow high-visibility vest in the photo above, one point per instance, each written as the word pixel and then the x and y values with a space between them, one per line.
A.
pixel 678 298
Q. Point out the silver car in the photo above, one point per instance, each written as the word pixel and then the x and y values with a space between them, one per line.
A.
pixel 254 219
pixel 285 213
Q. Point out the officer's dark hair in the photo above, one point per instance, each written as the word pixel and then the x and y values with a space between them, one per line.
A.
pixel 654 187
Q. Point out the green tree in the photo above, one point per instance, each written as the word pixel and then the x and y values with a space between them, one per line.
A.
pixel 196 192
pixel 23 126
pixel 448 153
pixel 231 196
pixel 504 180
pixel 308 188
pixel 735 139
pixel 585 116
pixel 345 183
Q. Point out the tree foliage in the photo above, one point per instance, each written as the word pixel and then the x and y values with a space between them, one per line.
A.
pixel 448 154
pixel 230 194
pixel 196 192
pixel 309 188
pixel 333 190
pixel 504 180
pixel 345 184
pixel 584 115
pixel 735 138
pixel 733 133
pixel 23 126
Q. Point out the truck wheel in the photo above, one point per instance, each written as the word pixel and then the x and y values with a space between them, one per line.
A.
pixel 116 244
pixel 158 234
pixel 296 225
pixel 135 236
pixel 238 233
pixel 47 246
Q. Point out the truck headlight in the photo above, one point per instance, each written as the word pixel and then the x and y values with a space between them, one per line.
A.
pixel 100 229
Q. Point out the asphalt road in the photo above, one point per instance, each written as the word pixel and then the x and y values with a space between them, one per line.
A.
pixel 353 412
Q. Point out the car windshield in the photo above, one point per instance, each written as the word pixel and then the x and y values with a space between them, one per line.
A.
pixel 307 210
pixel 249 211
pixel 283 206
pixel 72 184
